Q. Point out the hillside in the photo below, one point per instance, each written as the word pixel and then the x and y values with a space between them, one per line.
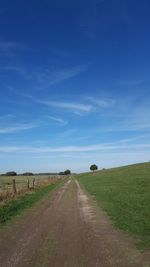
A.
pixel 124 193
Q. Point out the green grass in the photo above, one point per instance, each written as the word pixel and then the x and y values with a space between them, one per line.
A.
pixel 17 206
pixel 125 194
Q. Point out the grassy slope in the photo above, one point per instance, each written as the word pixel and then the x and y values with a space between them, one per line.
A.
pixel 16 206
pixel 125 194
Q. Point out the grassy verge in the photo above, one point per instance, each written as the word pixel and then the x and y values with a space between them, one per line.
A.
pixel 124 194
pixel 16 206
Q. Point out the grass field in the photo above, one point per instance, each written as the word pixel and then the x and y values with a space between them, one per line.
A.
pixel 125 194
pixel 6 184
pixel 16 206
pixel 21 181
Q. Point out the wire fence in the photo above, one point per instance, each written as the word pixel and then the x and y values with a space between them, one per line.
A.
pixel 12 186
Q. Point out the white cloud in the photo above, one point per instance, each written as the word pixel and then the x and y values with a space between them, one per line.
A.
pixel 53 76
pixel 116 146
pixel 77 108
pixel 102 103
pixel 16 128
pixel 58 120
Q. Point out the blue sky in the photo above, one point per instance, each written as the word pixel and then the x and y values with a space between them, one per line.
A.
pixel 74 84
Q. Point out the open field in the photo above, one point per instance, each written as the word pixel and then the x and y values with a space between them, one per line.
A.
pixel 125 194
pixel 23 184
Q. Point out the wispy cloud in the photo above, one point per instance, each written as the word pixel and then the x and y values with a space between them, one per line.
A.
pixel 89 105
pixel 116 146
pixel 102 103
pixel 59 121
pixel 53 76
pixel 137 119
pixel 7 117
pixel 17 69
pixel 16 128
pixel 75 107
pixel 8 48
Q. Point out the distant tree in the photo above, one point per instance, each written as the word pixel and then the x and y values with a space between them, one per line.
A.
pixel 61 173
pixel 93 167
pixel 67 172
pixel 27 174
pixel 12 173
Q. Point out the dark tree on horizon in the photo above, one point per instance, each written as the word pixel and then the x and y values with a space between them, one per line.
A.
pixel 93 167
pixel 67 172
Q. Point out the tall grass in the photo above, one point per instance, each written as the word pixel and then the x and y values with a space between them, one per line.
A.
pixel 23 183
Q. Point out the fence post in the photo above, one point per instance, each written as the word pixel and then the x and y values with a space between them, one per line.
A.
pixel 28 184
pixel 14 186
pixel 33 182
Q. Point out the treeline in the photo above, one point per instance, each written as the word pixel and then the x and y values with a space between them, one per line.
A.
pixel 13 173
pixel 66 172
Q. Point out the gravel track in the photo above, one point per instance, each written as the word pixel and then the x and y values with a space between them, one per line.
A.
pixel 67 229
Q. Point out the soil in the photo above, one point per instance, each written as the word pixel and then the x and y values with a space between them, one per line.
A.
pixel 67 229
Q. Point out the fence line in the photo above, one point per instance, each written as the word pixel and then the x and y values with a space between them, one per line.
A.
pixel 19 185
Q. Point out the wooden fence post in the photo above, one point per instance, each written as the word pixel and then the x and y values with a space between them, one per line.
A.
pixel 28 184
pixel 33 182
pixel 14 186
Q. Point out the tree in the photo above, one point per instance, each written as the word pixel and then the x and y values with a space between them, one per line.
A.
pixel 11 173
pixel 67 172
pixel 27 174
pixel 93 167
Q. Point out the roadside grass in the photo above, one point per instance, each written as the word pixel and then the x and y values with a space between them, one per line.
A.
pixel 16 206
pixel 125 195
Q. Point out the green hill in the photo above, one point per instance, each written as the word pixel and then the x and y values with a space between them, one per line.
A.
pixel 124 193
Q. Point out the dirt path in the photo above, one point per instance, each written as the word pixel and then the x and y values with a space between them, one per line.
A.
pixel 67 229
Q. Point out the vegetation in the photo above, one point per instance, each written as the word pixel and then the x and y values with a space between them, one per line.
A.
pixel 16 206
pixel 27 174
pixel 67 172
pixel 12 173
pixel 93 167
pixel 124 194
pixel 22 183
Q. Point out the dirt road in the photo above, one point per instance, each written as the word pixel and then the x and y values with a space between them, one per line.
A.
pixel 67 229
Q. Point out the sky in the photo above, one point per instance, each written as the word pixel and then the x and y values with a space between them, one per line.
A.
pixel 74 84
